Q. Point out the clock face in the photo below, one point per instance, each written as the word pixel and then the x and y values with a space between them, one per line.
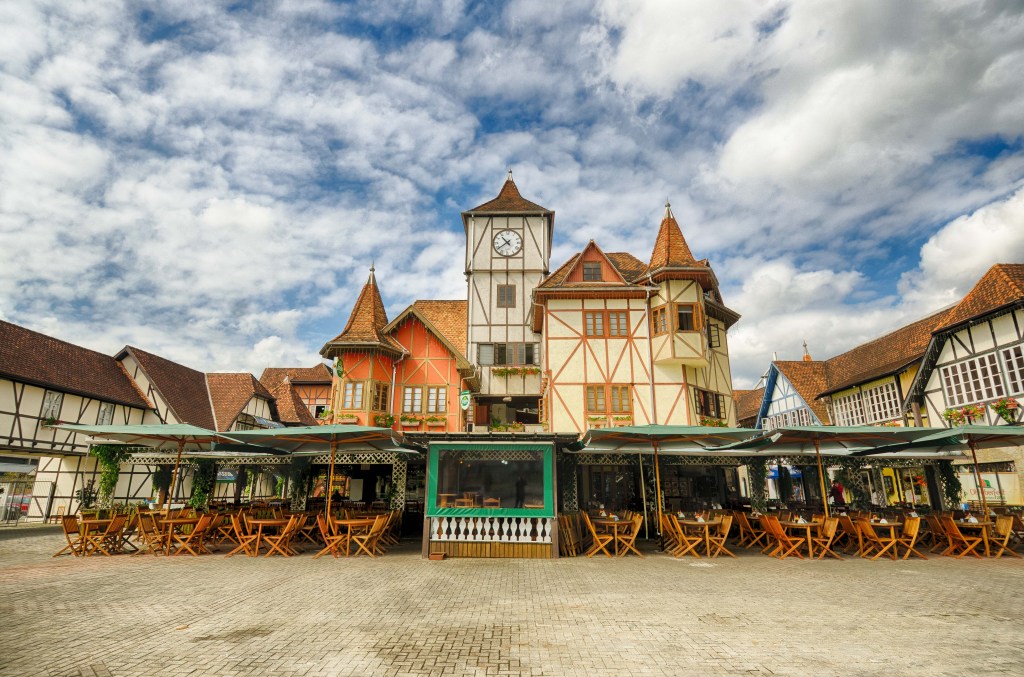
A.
pixel 508 242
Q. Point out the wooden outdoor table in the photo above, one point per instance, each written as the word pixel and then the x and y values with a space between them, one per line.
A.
pixel 170 524
pixel 982 526
pixel 93 524
pixel 354 526
pixel 706 524
pixel 808 536
pixel 613 525
pixel 265 522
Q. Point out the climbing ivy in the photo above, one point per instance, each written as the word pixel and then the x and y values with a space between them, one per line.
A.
pixel 109 457
pixel 203 479
pixel 952 490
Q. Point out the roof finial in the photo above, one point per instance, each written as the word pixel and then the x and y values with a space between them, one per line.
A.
pixel 509 174
pixel 807 355
pixel 668 209
pixel 373 267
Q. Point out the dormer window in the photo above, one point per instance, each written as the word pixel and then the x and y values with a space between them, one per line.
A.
pixel 591 271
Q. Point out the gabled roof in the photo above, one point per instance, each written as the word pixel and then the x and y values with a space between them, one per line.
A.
pixel 808 379
pixel 452 315
pixel 290 407
pixel 1001 286
pixel 30 357
pixel 885 355
pixel 630 268
pixel 183 389
pixel 229 393
pixel 366 324
pixel 274 376
pixel 748 402
pixel 670 248
pixel 509 201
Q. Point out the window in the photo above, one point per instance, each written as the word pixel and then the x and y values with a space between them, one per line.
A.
pixel 595 399
pixel 882 403
pixel 794 417
pixel 659 320
pixel 621 400
pixel 507 353
pixel 618 323
pixel 594 323
pixel 506 296
pixel 1014 359
pixel 591 271
pixel 106 416
pixel 51 404
pixel 709 404
pixel 686 317
pixel 353 396
pixel 437 399
pixel 380 396
pixel 847 410
pixel 412 399
pixel 972 381
pixel 318 409
pixel 714 335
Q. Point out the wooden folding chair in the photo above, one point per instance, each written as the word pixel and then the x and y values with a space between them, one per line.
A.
pixel 367 542
pixel 786 545
pixel 69 526
pixel 334 541
pixel 152 539
pixel 826 538
pixel 874 544
pixel 245 539
pixel 907 539
pixel 280 543
pixel 104 541
pixel 959 544
pixel 717 540
pixel 1002 533
pixel 687 544
pixel 628 539
pixel 599 541
pixel 194 539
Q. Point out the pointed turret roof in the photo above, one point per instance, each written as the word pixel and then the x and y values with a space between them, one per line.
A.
pixel 366 323
pixel 509 201
pixel 670 249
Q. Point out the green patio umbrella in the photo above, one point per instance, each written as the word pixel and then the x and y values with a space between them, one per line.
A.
pixel 681 440
pixel 164 437
pixel 827 440
pixel 949 441
pixel 318 439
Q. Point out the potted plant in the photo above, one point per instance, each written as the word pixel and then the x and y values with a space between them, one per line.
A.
pixel 384 420
pixel 709 422
pixel 435 420
pixel 623 419
pixel 1007 408
pixel 50 421
pixel 409 421
pixel 325 415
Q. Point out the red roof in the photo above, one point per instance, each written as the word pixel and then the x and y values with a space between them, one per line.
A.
pixel 274 376
pixel 366 323
pixel 808 379
pixel 449 317
pixel 229 393
pixel 1001 286
pixel 30 357
pixel 183 389
pixel 509 201
pixel 748 403
pixel 670 248
pixel 290 407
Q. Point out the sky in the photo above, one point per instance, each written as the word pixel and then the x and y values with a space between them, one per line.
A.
pixel 211 181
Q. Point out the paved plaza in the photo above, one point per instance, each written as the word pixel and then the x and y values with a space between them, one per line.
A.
pixel 402 615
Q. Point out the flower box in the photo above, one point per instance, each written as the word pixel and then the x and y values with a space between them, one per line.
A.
pixel 349 419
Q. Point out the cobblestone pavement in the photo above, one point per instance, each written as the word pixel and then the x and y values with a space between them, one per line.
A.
pixel 403 615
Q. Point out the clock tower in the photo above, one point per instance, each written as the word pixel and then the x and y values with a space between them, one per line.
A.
pixel 508 249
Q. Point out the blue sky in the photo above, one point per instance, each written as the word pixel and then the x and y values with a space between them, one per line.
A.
pixel 210 181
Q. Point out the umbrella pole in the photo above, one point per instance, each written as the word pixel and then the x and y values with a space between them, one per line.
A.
pixel 330 476
pixel 657 488
pixel 821 476
pixel 643 491
pixel 977 478
pixel 174 478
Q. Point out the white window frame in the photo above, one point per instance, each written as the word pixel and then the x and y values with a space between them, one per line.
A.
pixel 412 399
pixel 437 399
pixel 106 414
pixel 881 403
pixel 1013 363
pixel 848 409
pixel 353 395
pixel 971 381
pixel 52 402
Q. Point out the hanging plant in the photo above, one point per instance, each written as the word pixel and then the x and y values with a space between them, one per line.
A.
pixel 1007 408
pixel 409 419
pixel 109 457
pixel 952 490
pixel 712 422
pixel 384 420
pixel 203 479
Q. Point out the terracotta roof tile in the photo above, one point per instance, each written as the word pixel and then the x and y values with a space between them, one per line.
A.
pixel 229 393
pixel 367 320
pixel 290 407
pixel 670 248
pixel 449 317
pixel 1002 285
pixel 882 356
pixel 184 389
pixel 630 268
pixel 31 357
pixel 509 201
pixel 274 376
pixel 748 402
pixel 808 378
